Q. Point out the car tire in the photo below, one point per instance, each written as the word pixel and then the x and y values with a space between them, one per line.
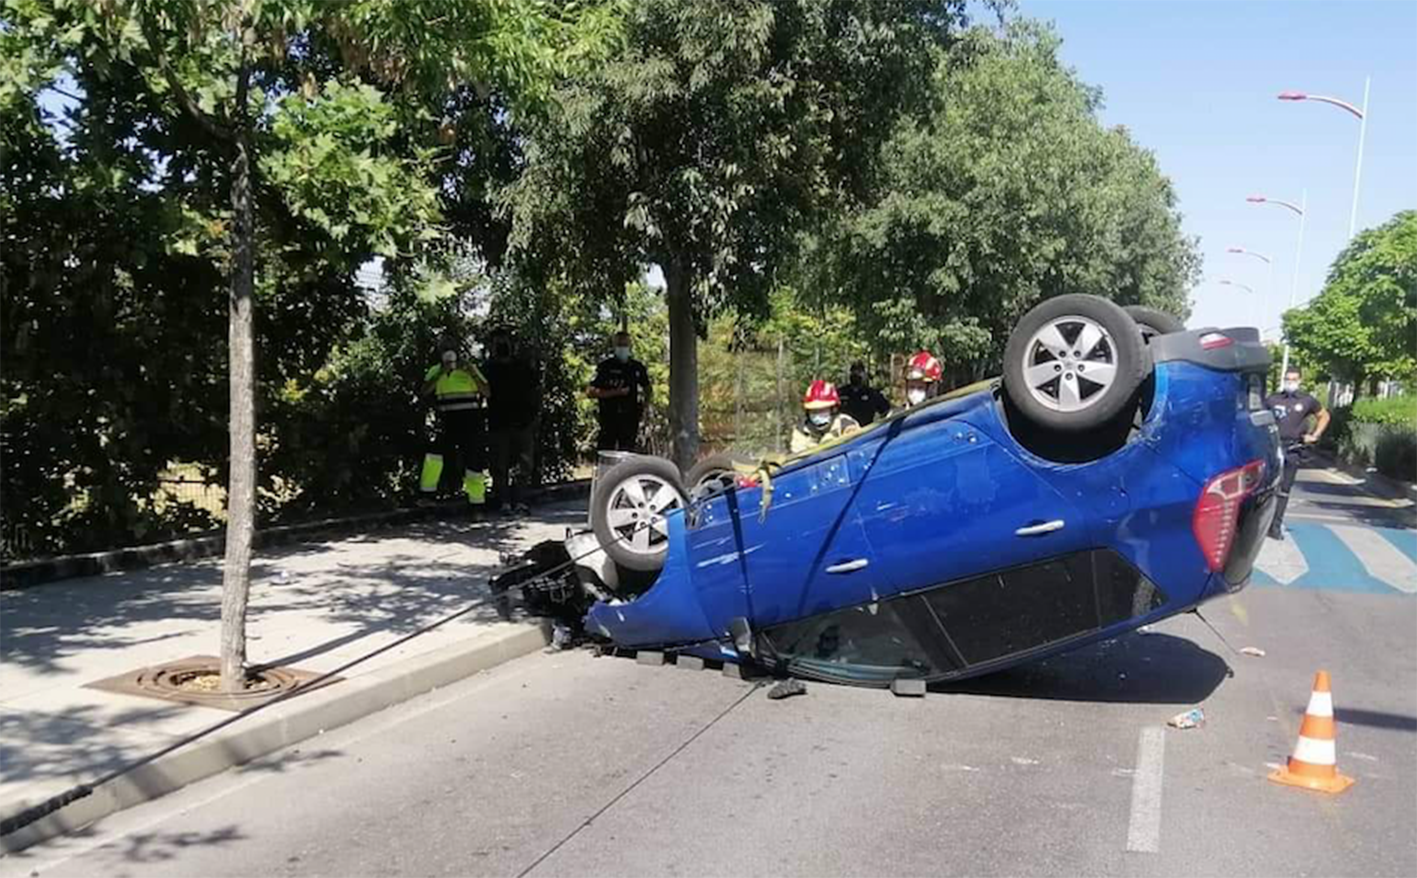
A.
pixel 713 475
pixel 1045 366
pixel 1153 322
pixel 628 510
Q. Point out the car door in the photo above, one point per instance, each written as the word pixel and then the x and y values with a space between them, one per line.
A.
pixel 942 501
pixel 808 553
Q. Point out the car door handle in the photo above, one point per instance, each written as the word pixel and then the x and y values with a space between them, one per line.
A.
pixel 1034 530
pixel 849 566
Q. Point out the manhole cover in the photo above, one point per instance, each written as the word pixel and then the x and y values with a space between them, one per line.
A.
pixel 197 680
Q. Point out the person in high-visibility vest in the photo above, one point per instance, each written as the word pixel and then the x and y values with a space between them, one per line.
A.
pixel 460 393
pixel 823 419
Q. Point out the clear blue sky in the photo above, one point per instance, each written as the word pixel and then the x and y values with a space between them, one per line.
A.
pixel 1195 82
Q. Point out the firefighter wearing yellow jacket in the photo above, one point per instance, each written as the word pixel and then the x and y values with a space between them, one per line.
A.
pixel 460 394
pixel 823 419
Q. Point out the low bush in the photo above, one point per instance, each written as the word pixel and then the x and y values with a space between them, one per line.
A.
pixel 1395 411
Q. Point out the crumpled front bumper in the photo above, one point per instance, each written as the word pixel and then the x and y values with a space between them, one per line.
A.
pixel 668 614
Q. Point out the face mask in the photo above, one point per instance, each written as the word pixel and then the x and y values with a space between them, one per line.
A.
pixel 819 419
pixel 1291 387
pixel 915 395
pixel 450 359
pixel 622 354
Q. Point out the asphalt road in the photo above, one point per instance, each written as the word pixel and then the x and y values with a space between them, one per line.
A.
pixel 566 764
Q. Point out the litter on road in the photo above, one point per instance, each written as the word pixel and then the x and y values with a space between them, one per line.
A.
pixel 786 689
pixel 1190 719
pixel 1253 650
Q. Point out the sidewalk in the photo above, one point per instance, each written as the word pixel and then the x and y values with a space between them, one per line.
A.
pixel 314 607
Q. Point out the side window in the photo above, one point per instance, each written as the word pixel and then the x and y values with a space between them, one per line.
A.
pixel 879 641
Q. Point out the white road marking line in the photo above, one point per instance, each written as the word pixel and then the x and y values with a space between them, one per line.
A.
pixel 1282 561
pixel 1380 557
pixel 1144 828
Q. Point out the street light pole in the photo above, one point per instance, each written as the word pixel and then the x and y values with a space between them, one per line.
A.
pixel 1294 285
pixel 1358 173
pixel 1262 300
pixel 1247 288
pixel 1362 116
pixel 1302 209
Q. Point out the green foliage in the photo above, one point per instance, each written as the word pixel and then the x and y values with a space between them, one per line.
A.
pixel 1363 324
pixel 117 224
pixel 329 158
pixel 711 136
pixel 1397 411
pixel 1395 453
pixel 1008 190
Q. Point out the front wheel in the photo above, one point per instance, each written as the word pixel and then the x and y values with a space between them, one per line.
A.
pixel 629 511
pixel 714 475
pixel 1075 363
pixel 1153 322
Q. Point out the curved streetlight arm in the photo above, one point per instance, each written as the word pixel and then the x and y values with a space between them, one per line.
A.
pixel 1301 96
pixel 1260 199
pixel 1243 252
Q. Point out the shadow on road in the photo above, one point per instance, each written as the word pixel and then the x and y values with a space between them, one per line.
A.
pixel 1134 669
pixel 1376 719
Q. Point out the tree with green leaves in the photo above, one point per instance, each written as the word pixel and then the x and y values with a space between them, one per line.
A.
pixel 1003 191
pixel 295 106
pixel 1362 326
pixel 707 144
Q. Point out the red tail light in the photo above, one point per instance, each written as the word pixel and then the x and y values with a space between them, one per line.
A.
pixel 1218 511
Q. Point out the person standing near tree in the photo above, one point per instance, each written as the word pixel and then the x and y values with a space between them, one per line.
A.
pixel 1292 409
pixel 459 394
pixel 512 416
pixel 621 384
pixel 860 400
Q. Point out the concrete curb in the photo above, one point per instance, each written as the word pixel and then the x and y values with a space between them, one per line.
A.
pixel 1376 483
pixel 31 573
pixel 280 726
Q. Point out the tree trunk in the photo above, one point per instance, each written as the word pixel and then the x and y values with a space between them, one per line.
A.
pixel 241 487
pixel 683 368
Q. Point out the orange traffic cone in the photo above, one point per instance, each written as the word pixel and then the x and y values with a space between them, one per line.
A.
pixel 1314 763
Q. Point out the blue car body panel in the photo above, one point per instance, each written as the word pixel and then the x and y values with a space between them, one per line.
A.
pixel 930 504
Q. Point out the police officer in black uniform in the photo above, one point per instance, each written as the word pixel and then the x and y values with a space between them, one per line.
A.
pixel 1292 409
pixel 621 384
pixel 861 401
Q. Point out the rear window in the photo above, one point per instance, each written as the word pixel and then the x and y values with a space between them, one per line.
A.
pixel 1254 391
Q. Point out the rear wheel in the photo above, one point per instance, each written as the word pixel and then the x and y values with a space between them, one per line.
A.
pixel 629 511
pixel 1152 322
pixel 1074 364
pixel 714 475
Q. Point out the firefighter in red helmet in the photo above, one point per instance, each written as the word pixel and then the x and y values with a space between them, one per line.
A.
pixel 922 378
pixel 823 419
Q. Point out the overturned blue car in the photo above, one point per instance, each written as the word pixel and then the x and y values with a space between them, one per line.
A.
pixel 1120 471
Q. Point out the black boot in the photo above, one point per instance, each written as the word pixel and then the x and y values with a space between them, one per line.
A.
pixel 1276 528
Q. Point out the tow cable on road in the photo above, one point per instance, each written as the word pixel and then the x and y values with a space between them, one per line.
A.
pixel 32 814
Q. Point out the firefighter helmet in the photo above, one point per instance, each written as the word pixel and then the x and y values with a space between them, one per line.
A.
pixel 821 395
pixel 923 367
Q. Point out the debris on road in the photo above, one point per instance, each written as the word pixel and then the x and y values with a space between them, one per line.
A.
pixel 1190 719
pixel 1253 650
pixel 786 689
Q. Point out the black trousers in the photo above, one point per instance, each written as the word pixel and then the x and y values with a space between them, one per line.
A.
pixel 462 438
pixel 618 436
pixel 1292 461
